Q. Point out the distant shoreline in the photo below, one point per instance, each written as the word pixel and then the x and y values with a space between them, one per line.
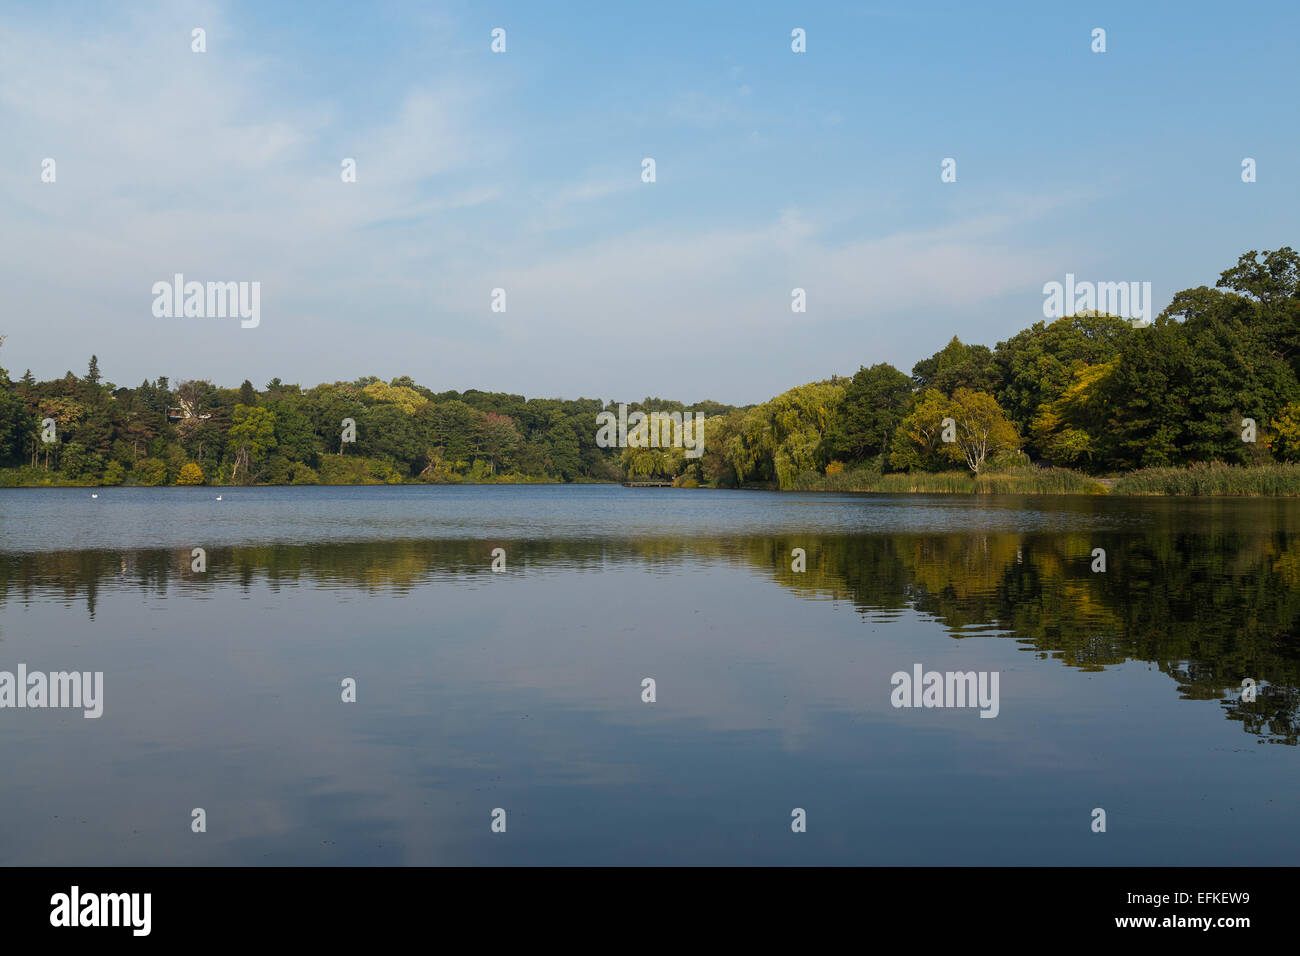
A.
pixel 1202 480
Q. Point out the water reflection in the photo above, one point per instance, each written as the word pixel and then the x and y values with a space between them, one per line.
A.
pixel 1209 602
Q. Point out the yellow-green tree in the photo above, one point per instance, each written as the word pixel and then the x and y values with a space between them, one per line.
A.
pixel 968 428
pixel 781 438
pixel 151 471
pixel 668 460
pixel 1286 426
pixel 251 435
pixel 917 444
pixel 407 399
pixel 983 429
pixel 1064 428
pixel 191 474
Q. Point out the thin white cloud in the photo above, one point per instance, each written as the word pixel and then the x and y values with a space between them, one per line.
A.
pixel 171 161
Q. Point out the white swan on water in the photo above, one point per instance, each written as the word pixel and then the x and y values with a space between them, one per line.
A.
pixel 218 497
pixel 93 495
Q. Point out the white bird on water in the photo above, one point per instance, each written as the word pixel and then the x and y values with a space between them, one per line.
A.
pixel 218 497
pixel 93 495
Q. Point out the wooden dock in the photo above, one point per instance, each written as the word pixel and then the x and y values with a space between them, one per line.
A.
pixel 647 484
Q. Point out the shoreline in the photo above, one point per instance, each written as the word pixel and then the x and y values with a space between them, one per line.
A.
pixel 1197 481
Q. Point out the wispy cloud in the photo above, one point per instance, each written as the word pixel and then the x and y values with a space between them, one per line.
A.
pixel 170 161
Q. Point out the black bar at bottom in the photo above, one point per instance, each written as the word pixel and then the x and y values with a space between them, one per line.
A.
pixel 667 906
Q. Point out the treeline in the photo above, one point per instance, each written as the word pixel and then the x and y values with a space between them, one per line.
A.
pixel 361 432
pixel 1215 378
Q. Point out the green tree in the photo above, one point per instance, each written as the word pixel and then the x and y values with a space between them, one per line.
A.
pixel 329 405
pixel 449 426
pixel 917 444
pixel 1037 364
pixel 875 403
pixel 1180 389
pixel 151 471
pixel 562 452
pixel 955 366
pixel 17 428
pixel 1272 285
pixel 294 436
pixel 251 435
pixel 78 462
pixel 386 431
pixel 498 440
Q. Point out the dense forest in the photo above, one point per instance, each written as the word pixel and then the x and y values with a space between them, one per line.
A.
pixel 1215 378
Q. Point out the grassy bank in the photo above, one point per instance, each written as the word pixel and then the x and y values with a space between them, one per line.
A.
pixel 1271 480
pixel 1016 481
pixel 1213 479
pixel 27 477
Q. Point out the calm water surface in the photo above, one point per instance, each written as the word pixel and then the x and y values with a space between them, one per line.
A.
pixel 522 689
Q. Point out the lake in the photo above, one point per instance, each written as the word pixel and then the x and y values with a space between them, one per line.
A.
pixel 522 689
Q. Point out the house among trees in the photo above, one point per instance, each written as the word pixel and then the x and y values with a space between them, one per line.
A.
pixel 185 411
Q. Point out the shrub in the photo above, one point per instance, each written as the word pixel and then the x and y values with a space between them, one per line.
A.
pixel 350 470
pixel 151 471
pixel 191 474
pixel 303 475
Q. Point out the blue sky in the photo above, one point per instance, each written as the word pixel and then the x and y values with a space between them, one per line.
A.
pixel 521 171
